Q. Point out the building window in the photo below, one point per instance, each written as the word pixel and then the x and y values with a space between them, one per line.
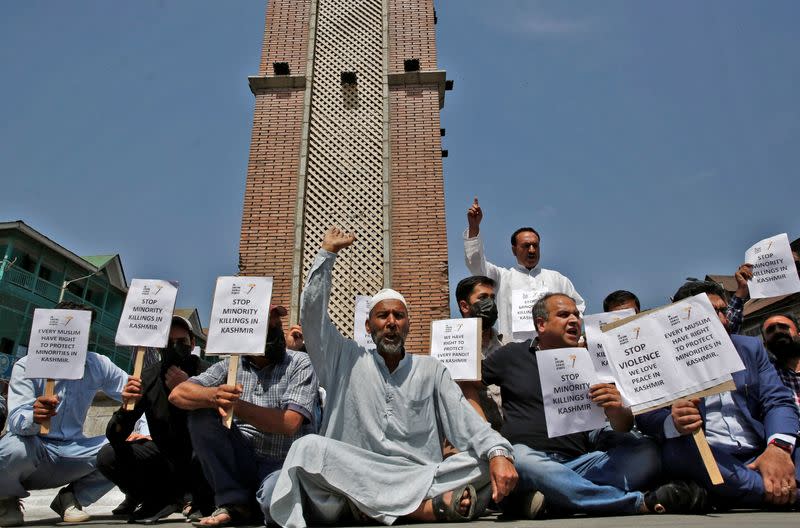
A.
pixel 26 262
pixel 45 273
pixel 76 288
pixel 95 297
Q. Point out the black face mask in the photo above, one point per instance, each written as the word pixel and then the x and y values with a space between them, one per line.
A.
pixel 176 353
pixel 486 309
pixel 275 348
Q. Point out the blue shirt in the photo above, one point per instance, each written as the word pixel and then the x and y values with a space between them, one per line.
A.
pixel 75 397
pixel 727 426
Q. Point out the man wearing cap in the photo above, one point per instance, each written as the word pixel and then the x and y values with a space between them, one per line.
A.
pixel 387 411
pixel 156 473
pixel 273 404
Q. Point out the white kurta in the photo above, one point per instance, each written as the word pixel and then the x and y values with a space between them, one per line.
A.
pixel 381 443
pixel 516 278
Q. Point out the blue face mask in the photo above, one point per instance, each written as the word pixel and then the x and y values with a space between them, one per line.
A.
pixel 486 309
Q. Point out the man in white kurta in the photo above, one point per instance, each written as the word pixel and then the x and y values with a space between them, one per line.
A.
pixel 384 422
pixel 527 275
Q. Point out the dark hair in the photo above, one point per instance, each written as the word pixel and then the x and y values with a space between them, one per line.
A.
pixel 618 297
pixel 540 308
pixel 465 286
pixel 788 316
pixel 694 287
pixel 69 305
pixel 523 230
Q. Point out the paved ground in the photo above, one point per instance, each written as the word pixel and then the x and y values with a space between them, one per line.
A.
pixel 38 513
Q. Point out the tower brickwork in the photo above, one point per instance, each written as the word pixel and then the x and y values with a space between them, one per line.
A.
pixel 349 136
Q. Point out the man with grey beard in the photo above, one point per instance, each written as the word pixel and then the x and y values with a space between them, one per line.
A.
pixel 387 411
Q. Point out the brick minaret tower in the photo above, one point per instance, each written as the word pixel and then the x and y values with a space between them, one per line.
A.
pixel 346 131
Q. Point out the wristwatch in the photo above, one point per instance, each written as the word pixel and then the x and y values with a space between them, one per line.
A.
pixel 500 451
pixel 777 442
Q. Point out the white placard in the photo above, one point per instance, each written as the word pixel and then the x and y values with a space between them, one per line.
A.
pixel 522 302
pixel 670 352
pixel 566 375
pixel 239 316
pixel 591 326
pixel 360 334
pixel 774 271
pixel 147 314
pixel 457 344
pixel 58 345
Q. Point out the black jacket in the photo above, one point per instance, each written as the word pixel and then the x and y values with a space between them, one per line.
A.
pixel 167 423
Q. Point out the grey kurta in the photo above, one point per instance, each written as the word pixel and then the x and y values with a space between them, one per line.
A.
pixel 381 447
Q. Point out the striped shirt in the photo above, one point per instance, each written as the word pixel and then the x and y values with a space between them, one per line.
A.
pixel 290 385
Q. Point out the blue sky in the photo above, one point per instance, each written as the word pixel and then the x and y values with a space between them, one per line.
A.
pixel 646 141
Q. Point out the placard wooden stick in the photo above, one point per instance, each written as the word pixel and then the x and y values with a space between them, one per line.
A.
pixel 137 373
pixel 233 368
pixel 708 457
pixel 49 390
pixel 717 389
pixel 699 437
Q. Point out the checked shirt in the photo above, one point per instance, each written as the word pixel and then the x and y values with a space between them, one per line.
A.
pixel 290 385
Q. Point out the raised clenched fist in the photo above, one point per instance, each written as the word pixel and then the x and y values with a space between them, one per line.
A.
pixel 336 240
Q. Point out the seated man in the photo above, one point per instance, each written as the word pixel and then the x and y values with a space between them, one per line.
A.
pixel 386 414
pixel 476 298
pixel 273 402
pixel 751 430
pixel 620 300
pixel 156 473
pixel 30 460
pixel 567 474
pixel 780 334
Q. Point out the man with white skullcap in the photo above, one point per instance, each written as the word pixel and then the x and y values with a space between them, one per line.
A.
pixel 387 411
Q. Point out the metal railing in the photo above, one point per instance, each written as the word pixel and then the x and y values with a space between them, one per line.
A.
pixel 21 278
pixel 46 289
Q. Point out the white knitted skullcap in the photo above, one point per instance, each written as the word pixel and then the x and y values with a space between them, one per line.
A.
pixel 387 294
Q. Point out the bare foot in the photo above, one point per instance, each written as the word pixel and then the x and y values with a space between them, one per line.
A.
pixel 220 518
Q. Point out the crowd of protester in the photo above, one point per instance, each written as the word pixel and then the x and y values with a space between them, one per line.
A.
pixel 325 431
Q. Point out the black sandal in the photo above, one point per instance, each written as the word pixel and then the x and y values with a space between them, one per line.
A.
pixel 449 512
